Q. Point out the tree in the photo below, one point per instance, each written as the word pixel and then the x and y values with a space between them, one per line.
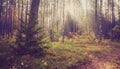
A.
pixel 96 18
pixel 34 11
pixel 63 33
pixel 1 8
pixel 1 2
pixel 29 38
pixel 101 21
pixel 119 9
pixel 113 13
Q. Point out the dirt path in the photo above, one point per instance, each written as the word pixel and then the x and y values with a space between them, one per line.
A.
pixel 102 60
pixel 107 60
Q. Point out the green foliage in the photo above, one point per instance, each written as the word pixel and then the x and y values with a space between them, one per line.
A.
pixel 28 45
pixel 54 32
pixel 116 32
pixel 116 28
pixel 6 53
pixel 29 40
pixel 54 35
pixel 62 56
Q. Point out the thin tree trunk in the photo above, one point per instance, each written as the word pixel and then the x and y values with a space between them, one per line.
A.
pixel 96 18
pixel 119 10
pixel 101 20
pixel 63 36
pixel 22 10
pixel 0 8
pixel 26 13
pixel 113 13
pixel 18 13
pixel 0 17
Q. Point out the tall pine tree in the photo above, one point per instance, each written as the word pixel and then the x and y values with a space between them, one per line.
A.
pixel 30 39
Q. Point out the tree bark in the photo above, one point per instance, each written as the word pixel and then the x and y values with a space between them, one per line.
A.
pixel 63 35
pixel 0 8
pixel 34 11
pixel 96 18
pixel 113 13
pixel 119 10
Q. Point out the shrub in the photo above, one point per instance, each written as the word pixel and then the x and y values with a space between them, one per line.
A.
pixel 116 32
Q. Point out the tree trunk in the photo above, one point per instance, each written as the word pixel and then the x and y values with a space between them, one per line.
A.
pixel 0 8
pixel 34 11
pixel 119 10
pixel 22 9
pixel 0 17
pixel 113 14
pixel 96 18
pixel 63 35
pixel 101 21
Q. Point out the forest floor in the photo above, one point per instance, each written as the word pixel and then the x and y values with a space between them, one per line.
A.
pixel 83 54
pixel 105 57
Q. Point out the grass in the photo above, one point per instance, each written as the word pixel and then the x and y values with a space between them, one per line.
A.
pixel 63 55
pixel 67 54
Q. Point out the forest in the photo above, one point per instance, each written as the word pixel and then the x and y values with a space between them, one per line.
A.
pixel 59 34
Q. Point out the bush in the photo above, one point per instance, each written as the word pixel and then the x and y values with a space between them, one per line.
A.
pixel 116 32
pixel 6 55
pixel 29 44
pixel 29 40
